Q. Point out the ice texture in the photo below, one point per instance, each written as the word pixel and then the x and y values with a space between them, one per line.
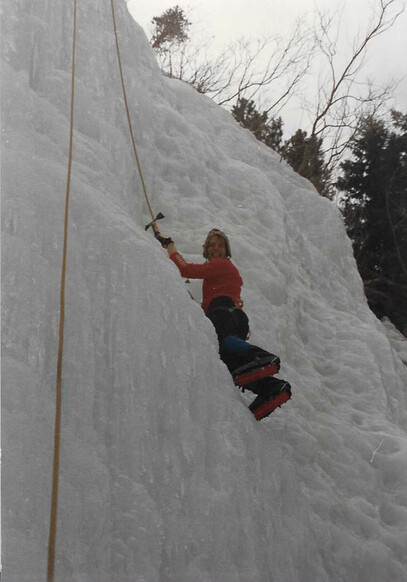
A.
pixel 165 474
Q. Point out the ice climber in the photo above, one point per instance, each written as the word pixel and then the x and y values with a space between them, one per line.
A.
pixel 222 304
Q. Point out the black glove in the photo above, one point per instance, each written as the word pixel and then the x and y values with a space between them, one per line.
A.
pixel 164 241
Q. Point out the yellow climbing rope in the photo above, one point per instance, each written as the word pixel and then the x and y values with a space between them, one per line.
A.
pixel 126 105
pixel 57 429
pixel 58 407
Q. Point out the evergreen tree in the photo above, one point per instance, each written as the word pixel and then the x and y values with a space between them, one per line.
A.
pixel 305 156
pixel 171 28
pixel 169 39
pixel 375 209
pixel 269 131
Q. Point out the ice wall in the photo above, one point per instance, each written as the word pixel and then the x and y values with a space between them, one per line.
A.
pixel 165 475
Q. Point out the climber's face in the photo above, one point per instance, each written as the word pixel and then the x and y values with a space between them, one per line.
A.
pixel 216 248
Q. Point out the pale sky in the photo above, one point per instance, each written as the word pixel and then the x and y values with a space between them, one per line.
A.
pixel 226 20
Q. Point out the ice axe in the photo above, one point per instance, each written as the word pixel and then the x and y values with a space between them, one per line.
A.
pixel 153 223
pixel 164 241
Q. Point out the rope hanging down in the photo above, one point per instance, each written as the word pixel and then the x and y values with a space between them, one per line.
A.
pixel 57 429
pixel 58 408
pixel 126 105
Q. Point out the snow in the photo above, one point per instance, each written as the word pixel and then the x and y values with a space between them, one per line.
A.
pixel 165 474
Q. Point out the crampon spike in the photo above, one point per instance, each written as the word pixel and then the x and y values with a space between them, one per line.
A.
pixel 268 407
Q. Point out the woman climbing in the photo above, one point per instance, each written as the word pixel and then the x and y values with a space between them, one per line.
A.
pixel 249 365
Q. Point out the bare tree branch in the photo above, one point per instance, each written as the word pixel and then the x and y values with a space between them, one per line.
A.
pixel 243 69
pixel 341 98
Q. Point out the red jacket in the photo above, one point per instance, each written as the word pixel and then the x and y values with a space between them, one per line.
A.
pixel 220 278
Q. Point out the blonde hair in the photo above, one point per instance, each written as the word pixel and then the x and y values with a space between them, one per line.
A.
pixel 216 232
